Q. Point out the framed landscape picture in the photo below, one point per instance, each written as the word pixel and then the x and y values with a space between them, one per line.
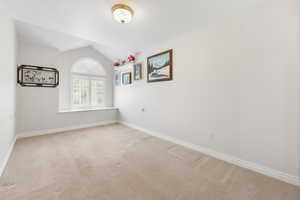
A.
pixel 160 67
pixel 126 78
pixel 137 71
pixel 36 76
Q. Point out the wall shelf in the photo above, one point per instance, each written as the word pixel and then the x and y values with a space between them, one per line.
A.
pixel 125 66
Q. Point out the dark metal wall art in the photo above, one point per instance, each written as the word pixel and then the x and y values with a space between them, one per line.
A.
pixel 35 76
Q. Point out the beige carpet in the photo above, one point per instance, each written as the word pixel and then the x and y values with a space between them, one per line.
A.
pixel 118 163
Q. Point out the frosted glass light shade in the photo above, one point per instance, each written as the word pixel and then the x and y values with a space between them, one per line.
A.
pixel 122 13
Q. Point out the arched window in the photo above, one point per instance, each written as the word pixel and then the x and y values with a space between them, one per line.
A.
pixel 88 84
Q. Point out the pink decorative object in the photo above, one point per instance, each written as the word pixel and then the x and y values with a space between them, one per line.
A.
pixel 131 58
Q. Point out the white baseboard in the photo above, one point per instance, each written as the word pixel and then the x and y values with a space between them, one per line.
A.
pixel 6 156
pixel 222 156
pixel 58 130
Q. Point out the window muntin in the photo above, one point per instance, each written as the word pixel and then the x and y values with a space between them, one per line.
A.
pixel 97 92
pixel 87 91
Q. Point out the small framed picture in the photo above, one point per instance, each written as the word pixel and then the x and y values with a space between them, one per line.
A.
pixel 126 78
pixel 160 67
pixel 137 71
pixel 117 78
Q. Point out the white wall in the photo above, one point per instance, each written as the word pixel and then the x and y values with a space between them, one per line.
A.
pixel 235 89
pixel 38 108
pixel 7 85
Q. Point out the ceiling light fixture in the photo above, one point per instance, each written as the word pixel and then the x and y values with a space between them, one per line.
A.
pixel 122 13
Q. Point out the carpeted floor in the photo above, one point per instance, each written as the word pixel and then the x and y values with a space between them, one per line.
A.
pixel 118 163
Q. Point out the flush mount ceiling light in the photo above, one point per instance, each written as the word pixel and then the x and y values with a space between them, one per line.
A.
pixel 122 13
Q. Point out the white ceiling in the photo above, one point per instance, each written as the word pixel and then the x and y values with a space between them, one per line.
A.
pixel 63 42
pixel 154 21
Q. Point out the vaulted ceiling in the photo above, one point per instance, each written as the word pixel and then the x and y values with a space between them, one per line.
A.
pixel 154 20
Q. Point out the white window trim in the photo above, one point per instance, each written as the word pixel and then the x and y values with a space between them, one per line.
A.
pixel 90 78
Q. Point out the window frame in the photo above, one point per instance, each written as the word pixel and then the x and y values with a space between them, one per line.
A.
pixel 90 78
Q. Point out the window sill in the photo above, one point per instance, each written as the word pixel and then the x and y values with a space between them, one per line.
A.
pixel 87 109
